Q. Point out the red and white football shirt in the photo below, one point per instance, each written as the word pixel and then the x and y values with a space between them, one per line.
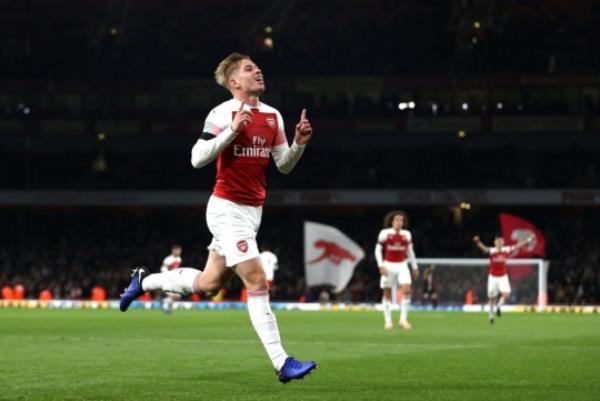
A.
pixel 242 166
pixel 270 263
pixel 498 259
pixel 170 262
pixel 395 244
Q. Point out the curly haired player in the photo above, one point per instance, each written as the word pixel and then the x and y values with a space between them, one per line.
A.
pixel 394 248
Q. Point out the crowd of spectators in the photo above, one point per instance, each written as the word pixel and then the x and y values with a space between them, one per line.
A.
pixel 148 38
pixel 70 251
pixel 359 161
pixel 140 102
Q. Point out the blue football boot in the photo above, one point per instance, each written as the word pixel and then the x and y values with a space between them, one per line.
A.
pixel 294 369
pixel 134 291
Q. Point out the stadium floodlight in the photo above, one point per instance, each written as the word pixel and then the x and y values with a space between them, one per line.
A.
pixel 268 42
pixel 434 108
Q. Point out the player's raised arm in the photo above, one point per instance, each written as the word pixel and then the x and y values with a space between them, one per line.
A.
pixel 480 244
pixel 524 242
pixel 304 130
pixel 209 146
pixel 242 118
pixel 286 157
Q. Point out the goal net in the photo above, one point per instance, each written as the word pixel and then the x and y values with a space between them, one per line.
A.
pixel 464 281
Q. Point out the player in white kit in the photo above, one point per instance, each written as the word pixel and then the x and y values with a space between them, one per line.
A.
pixel 241 134
pixel 270 263
pixel 498 282
pixel 171 262
pixel 393 250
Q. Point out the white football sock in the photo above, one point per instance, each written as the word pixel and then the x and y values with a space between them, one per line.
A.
pixel 404 305
pixel 167 304
pixel 180 281
pixel 500 302
pixel 387 310
pixel 491 311
pixel 265 324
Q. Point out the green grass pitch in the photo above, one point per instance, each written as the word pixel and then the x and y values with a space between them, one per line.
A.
pixel 215 355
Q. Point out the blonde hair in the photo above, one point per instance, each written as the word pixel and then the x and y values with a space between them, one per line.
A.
pixel 226 68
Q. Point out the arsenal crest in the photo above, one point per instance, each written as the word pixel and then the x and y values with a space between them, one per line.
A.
pixel 242 246
pixel 271 122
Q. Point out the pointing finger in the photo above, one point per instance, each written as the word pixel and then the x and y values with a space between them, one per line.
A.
pixel 304 124
pixel 303 115
pixel 242 105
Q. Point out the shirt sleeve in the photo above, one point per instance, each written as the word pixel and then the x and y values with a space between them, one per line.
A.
pixel 215 123
pixel 165 265
pixel 379 254
pixel 382 237
pixel 286 157
pixel 512 250
pixel 216 136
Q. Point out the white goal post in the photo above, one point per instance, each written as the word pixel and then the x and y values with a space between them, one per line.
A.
pixel 529 278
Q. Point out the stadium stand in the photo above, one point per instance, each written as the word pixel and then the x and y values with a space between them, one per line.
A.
pixel 504 98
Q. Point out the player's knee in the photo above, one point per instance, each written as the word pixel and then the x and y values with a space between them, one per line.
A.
pixel 252 274
pixel 255 279
pixel 256 282
pixel 208 287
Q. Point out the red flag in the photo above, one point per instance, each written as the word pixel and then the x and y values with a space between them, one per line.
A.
pixel 515 229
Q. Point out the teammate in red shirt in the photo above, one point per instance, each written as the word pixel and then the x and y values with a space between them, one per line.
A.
pixel 498 275
pixel 171 262
pixel 241 134
pixel 393 250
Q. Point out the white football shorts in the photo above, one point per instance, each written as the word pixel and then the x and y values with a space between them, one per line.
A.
pixel 398 274
pixel 498 284
pixel 234 228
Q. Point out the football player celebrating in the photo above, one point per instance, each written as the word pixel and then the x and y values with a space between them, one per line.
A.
pixel 498 274
pixel 241 134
